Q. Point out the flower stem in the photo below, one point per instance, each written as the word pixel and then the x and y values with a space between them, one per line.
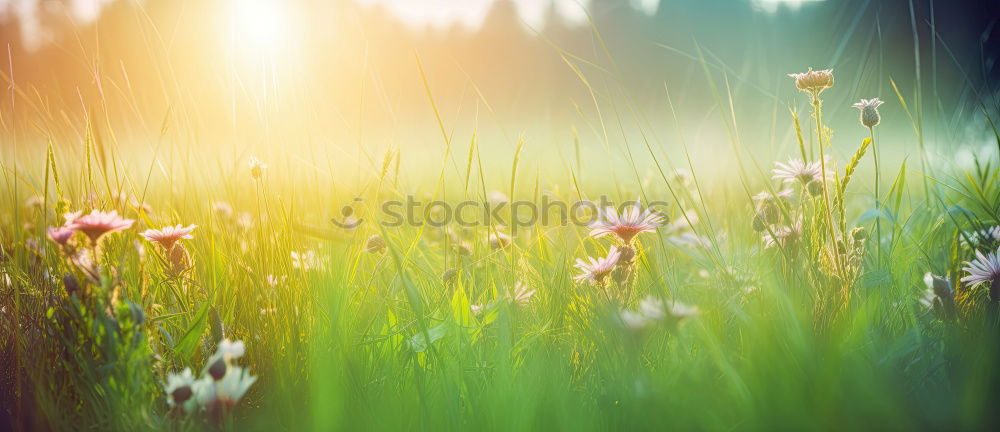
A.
pixel 817 111
pixel 878 206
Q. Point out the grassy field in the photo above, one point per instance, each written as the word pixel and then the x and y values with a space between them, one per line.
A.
pixel 782 298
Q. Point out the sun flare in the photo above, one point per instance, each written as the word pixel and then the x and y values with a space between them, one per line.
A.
pixel 260 26
pixel 503 215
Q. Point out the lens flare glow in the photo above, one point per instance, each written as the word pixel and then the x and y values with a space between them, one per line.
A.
pixel 260 26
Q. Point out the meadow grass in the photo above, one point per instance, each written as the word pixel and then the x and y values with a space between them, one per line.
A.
pixel 801 314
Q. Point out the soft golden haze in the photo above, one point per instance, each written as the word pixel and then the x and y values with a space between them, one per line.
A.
pixel 499 215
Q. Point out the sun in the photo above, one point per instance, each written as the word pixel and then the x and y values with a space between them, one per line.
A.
pixel 260 26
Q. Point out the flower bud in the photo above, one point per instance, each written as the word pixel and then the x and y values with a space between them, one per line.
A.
pixel 859 234
pixel 449 275
pixel 815 188
pixel 375 244
pixel 758 223
pixel 869 111
pixel 499 240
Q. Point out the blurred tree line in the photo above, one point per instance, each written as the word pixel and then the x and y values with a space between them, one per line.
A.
pixel 145 57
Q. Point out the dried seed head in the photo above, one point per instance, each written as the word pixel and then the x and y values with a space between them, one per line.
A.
pixel 375 244
pixel 256 168
pixel 449 275
pixel 499 240
pixel 463 248
pixel 770 212
pixel 35 203
pixel 813 81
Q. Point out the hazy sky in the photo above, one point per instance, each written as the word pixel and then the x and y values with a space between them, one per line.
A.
pixel 439 13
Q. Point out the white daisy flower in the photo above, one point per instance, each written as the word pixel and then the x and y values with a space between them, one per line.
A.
pixel 985 268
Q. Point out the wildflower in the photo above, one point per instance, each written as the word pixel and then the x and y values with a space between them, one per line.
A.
pixel 169 235
pixel 521 294
pixel 939 296
pixel 60 235
pixel 497 197
pixel 273 281
pixel 222 209
pixel 768 207
pixel 180 389
pixel 813 81
pixel 69 217
pixel 463 248
pixel 982 237
pixel 499 240
pixel 869 111
pixel 985 268
pixel 783 235
pixel 803 172
pixel 222 394
pixel 375 244
pixel 596 270
pixel 304 261
pixel 784 194
pixel 449 275
pixel 35 202
pixel 477 308
pixel 244 220
pixel 681 177
pixel 99 223
pixel 256 168
pixel 230 350
pixel 220 362
pixel 652 310
pixel 634 320
pixel 627 225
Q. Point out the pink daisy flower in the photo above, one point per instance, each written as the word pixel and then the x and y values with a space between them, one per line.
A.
pixel 60 235
pixel 69 217
pixel 169 235
pixel 99 223
pixel 627 225
pixel 596 269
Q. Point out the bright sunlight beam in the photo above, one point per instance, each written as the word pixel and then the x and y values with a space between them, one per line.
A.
pixel 259 26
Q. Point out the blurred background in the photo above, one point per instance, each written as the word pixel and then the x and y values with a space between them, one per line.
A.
pixel 575 79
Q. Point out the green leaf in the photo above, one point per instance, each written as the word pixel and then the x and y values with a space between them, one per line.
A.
pixel 189 340
pixel 460 308
pixel 419 342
